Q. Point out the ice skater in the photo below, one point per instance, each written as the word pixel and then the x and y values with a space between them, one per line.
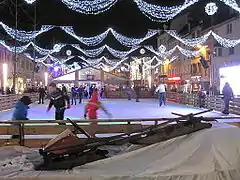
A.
pixel 161 89
pixel 21 110
pixel 58 99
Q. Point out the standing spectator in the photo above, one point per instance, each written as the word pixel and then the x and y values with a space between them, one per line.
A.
pixel 137 90
pixel 64 89
pixel 58 100
pixel 42 94
pixel 74 94
pixel 201 96
pixel 227 96
pixel 161 89
pixel 80 94
pixel 102 92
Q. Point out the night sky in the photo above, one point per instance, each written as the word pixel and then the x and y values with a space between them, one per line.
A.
pixel 124 17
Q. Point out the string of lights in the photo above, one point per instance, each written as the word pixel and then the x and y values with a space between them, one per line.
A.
pixel 165 54
pixel 95 40
pixel 227 43
pixel 90 7
pixel 25 36
pixel 156 13
pixel 162 13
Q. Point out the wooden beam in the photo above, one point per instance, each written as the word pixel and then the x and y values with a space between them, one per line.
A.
pixel 56 129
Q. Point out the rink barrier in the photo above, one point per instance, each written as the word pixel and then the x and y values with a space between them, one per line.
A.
pixel 8 101
pixel 37 133
pixel 210 102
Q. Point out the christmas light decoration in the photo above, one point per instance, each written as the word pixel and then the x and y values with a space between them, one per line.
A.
pixel 211 8
pixel 89 41
pixel 153 12
pixel 95 40
pixel 68 52
pixel 185 52
pixel 25 36
pixel 90 7
pixel 190 42
pixel 162 13
pixel 30 1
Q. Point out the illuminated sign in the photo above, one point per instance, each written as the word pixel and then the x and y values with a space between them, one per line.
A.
pixel 174 79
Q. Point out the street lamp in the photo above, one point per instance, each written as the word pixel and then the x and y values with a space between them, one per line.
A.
pixel 46 78
pixel 5 76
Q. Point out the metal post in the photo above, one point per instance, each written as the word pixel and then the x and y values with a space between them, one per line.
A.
pixel 15 49
pixel 34 41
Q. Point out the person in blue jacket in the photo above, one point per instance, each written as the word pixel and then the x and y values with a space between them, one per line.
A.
pixel 21 110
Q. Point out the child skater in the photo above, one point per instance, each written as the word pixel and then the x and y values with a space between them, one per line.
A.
pixel 92 106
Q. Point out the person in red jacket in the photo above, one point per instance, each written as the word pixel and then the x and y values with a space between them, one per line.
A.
pixel 91 108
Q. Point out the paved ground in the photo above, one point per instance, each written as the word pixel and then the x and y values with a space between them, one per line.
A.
pixel 120 109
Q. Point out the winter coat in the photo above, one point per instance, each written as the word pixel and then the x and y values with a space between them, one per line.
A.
pixel 20 112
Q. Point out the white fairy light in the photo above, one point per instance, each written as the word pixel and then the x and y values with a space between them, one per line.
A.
pixel 211 8
pixel 25 36
pixel 90 7
pixel 30 1
pixel 68 52
pixel 142 51
pixel 162 48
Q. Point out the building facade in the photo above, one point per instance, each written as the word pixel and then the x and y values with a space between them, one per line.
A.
pixel 24 71
pixel 189 74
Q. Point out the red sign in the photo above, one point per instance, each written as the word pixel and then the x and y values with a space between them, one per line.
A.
pixel 174 79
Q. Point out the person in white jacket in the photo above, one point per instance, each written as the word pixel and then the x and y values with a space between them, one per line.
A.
pixel 161 89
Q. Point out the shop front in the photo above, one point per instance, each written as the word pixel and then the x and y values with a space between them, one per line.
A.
pixel 174 83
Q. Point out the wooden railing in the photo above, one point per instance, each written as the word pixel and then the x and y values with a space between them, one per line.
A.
pixel 37 133
pixel 8 101
pixel 41 131
pixel 123 94
pixel 209 102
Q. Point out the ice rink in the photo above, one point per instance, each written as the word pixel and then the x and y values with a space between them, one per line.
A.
pixel 119 108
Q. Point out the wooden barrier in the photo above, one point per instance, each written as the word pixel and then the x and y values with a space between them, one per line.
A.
pixel 42 131
pixel 210 102
pixel 8 101
pixel 123 94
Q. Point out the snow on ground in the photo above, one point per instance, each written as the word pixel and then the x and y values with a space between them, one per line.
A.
pixel 120 109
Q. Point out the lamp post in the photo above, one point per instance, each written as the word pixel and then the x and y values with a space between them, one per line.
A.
pixel 5 76
pixel 46 79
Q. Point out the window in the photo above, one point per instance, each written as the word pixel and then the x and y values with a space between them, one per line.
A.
pixel 231 50
pixel 229 28
pixel 218 52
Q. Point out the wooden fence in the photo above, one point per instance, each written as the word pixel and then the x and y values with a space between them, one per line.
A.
pixel 37 133
pixel 123 94
pixel 8 101
pixel 209 102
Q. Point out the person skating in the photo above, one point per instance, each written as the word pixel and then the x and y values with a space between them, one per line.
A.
pixel 227 97
pixel 21 111
pixel 137 90
pixel 58 100
pixel 42 94
pixel 161 89
pixel 91 108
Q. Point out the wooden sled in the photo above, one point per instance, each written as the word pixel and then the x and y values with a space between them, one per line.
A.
pixel 67 151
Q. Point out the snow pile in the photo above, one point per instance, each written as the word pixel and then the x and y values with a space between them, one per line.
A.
pixel 21 163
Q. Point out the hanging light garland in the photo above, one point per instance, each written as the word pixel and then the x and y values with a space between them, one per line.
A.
pixel 25 36
pixel 90 7
pixel 194 42
pixel 162 13
pixel 153 12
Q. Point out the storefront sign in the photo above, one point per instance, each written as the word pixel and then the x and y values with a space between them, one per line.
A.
pixel 174 79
